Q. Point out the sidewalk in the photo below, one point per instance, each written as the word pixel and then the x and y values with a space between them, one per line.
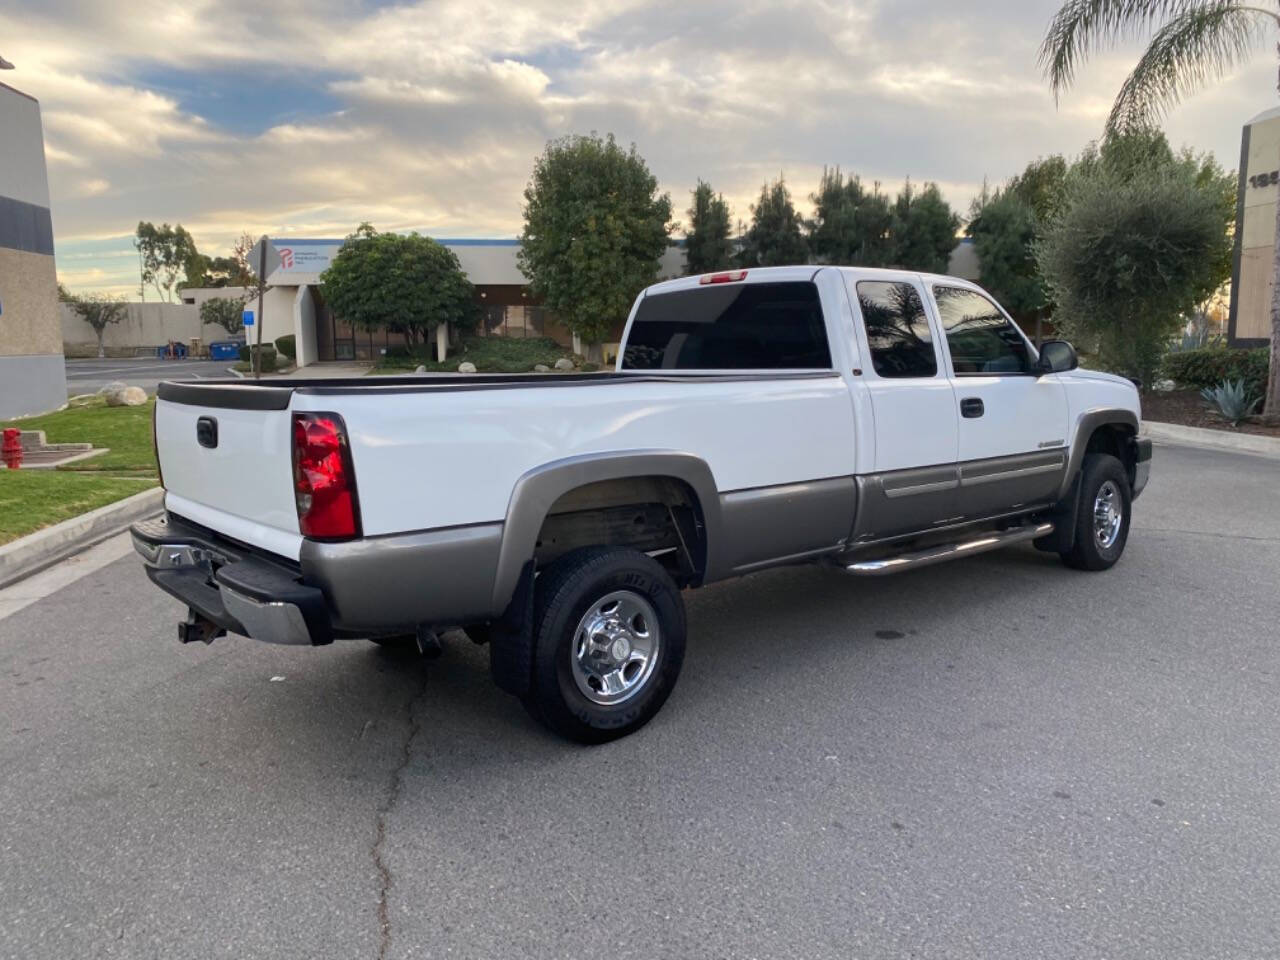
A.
pixel 1212 439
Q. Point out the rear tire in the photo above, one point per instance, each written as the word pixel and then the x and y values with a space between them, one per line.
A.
pixel 1102 520
pixel 609 639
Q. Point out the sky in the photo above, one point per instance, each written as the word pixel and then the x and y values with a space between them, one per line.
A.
pixel 306 117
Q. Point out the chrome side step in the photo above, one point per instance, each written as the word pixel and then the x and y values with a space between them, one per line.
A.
pixel 947 551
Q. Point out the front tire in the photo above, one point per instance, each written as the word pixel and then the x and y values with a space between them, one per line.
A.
pixel 1102 520
pixel 609 639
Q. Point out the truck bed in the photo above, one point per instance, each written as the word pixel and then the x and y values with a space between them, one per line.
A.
pixel 445 451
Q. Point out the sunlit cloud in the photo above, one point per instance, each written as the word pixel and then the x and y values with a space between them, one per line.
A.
pixel 310 116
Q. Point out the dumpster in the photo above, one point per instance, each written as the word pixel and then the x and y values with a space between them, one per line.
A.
pixel 224 350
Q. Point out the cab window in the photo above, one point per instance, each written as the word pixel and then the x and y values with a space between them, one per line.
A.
pixel 980 339
pixel 897 329
pixel 751 326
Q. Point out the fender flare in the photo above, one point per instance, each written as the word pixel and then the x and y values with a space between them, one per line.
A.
pixel 538 489
pixel 1088 422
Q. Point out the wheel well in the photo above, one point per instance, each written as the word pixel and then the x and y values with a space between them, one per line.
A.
pixel 660 516
pixel 1114 438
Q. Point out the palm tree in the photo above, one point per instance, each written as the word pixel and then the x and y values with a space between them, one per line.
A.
pixel 1192 42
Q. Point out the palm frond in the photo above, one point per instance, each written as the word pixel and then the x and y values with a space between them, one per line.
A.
pixel 1083 27
pixel 1200 44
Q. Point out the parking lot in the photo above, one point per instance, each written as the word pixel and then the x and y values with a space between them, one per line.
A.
pixel 89 376
pixel 997 758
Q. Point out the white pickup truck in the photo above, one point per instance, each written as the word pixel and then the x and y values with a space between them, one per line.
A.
pixel 873 420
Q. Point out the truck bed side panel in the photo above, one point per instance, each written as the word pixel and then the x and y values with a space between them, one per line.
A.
pixel 443 457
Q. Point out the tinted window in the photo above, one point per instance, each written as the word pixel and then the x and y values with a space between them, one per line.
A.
pixel 979 337
pixel 732 326
pixel 897 329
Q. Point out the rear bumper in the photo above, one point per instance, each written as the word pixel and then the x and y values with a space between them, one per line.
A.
pixel 1142 464
pixel 228 585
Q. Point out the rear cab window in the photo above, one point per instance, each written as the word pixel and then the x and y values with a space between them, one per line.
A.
pixel 732 326
pixel 897 329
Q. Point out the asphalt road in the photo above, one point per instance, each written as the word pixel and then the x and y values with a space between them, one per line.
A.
pixel 999 758
pixel 89 376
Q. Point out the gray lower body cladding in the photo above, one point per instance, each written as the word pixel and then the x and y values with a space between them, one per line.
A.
pixel 903 502
pixel 394 582
pixel 767 525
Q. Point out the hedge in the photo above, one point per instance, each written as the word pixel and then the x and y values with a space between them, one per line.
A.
pixel 268 357
pixel 288 346
pixel 1209 366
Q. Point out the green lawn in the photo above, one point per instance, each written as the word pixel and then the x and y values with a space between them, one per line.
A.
pixel 31 499
pixel 489 354
pixel 126 430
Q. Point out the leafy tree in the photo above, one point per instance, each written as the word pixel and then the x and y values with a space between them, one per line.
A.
pixel 232 271
pixel 595 228
pixel 850 225
pixel 708 245
pixel 1192 42
pixel 1129 257
pixel 225 312
pixel 99 312
pixel 165 253
pixel 1004 234
pixel 924 229
pixel 1041 186
pixel 406 284
pixel 774 237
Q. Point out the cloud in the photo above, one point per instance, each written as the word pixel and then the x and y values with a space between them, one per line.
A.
pixel 309 116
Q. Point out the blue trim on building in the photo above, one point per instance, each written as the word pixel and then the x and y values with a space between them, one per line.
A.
pixel 25 226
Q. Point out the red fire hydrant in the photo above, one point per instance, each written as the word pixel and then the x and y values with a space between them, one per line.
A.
pixel 12 449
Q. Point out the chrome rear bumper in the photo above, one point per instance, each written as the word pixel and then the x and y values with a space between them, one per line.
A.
pixel 231 588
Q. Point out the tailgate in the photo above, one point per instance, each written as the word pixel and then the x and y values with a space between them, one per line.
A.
pixel 226 458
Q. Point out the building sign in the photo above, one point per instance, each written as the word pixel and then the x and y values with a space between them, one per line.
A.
pixel 306 258
pixel 1265 179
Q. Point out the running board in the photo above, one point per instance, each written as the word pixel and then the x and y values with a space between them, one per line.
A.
pixel 948 551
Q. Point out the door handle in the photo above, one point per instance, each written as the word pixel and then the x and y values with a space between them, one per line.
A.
pixel 971 407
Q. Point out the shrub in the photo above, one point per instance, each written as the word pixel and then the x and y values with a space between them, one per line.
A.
pixel 1232 399
pixel 268 357
pixel 1210 366
pixel 288 346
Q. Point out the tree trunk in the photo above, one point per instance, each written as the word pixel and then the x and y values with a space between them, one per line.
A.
pixel 442 342
pixel 101 350
pixel 1271 406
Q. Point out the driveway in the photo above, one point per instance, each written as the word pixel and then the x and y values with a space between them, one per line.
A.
pixel 89 376
pixel 996 758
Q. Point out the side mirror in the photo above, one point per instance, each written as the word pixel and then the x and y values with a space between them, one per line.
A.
pixel 1056 356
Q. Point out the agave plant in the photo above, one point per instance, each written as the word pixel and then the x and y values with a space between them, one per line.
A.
pixel 1231 400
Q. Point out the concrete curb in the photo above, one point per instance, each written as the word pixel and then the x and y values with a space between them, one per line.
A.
pixel 1212 439
pixel 32 553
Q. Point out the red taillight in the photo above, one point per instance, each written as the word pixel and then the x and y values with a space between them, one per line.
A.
pixel 324 485
pixel 732 276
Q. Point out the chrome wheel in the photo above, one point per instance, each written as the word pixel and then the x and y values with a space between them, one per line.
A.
pixel 1108 515
pixel 615 647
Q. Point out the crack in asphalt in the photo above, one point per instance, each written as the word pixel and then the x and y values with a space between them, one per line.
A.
pixel 395 784
pixel 1210 533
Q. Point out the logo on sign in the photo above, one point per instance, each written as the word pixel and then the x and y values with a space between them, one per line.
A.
pixel 286 258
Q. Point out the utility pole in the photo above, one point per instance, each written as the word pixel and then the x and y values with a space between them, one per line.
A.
pixel 262 285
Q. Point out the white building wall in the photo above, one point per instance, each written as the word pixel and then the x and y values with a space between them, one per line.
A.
pixel 304 325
